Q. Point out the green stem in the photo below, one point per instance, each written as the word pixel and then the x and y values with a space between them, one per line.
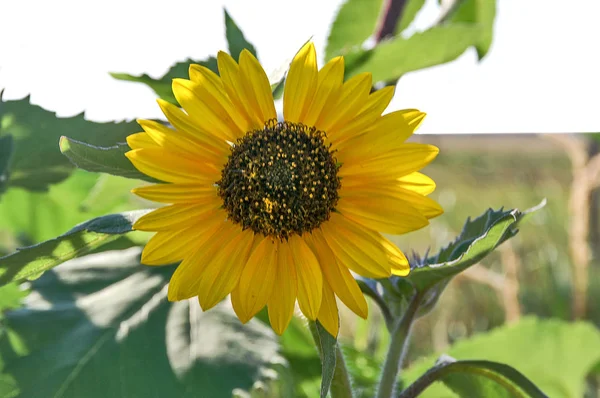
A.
pixel 341 386
pixel 398 345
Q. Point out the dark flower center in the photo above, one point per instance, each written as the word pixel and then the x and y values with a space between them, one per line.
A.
pixel 280 180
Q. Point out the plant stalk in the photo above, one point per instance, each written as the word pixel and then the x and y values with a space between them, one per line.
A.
pixel 398 344
pixel 341 386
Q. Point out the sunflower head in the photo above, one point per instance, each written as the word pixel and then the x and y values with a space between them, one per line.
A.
pixel 280 180
pixel 279 212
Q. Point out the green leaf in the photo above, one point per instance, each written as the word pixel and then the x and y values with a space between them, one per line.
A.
pixel 555 355
pixel 393 58
pixel 101 326
pixel 6 151
pixel 478 238
pixel 355 22
pixel 162 86
pixel 30 262
pixel 476 378
pixel 110 160
pixel 37 162
pixel 482 13
pixel 11 297
pixel 235 38
pixel 411 8
pixel 327 345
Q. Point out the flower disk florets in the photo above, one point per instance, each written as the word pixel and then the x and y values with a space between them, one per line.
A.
pixel 280 180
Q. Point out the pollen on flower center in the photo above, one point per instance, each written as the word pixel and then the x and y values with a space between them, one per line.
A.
pixel 280 180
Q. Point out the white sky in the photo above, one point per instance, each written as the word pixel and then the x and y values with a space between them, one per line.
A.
pixel 541 75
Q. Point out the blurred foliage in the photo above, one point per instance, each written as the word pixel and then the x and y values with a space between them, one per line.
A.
pixel 354 23
pixel 479 12
pixel 35 162
pixel 555 355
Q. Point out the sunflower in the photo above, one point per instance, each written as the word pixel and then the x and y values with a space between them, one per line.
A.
pixel 278 212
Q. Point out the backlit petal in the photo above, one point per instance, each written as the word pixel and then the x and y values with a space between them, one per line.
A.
pixel 310 278
pixel 282 300
pixel 328 314
pixel 222 273
pixel 354 248
pixel 258 277
pixel 300 84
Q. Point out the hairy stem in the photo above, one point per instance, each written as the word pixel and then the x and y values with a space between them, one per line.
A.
pixel 341 386
pixel 398 345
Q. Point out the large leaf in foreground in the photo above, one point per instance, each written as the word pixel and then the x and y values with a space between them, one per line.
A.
pixel 36 161
pixel 355 22
pixel 101 326
pixel 555 355
pixel 30 262
pixel 393 58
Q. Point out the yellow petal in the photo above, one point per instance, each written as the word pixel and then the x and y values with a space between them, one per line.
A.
pixel 198 193
pixel 417 182
pixel 171 167
pixel 201 74
pixel 222 273
pixel 329 83
pixel 257 85
pixel 300 84
pixel 141 140
pixel 185 125
pixel 170 217
pixel 236 90
pixel 337 276
pixel 282 300
pixel 404 160
pixel 370 112
pixel 258 278
pixel 185 281
pixel 236 303
pixel 205 110
pixel 328 314
pixel 403 198
pixel 210 88
pixel 172 140
pixel 310 278
pixel 354 248
pixel 397 260
pixel 352 98
pixel 385 134
pixel 167 247
pixel 382 213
